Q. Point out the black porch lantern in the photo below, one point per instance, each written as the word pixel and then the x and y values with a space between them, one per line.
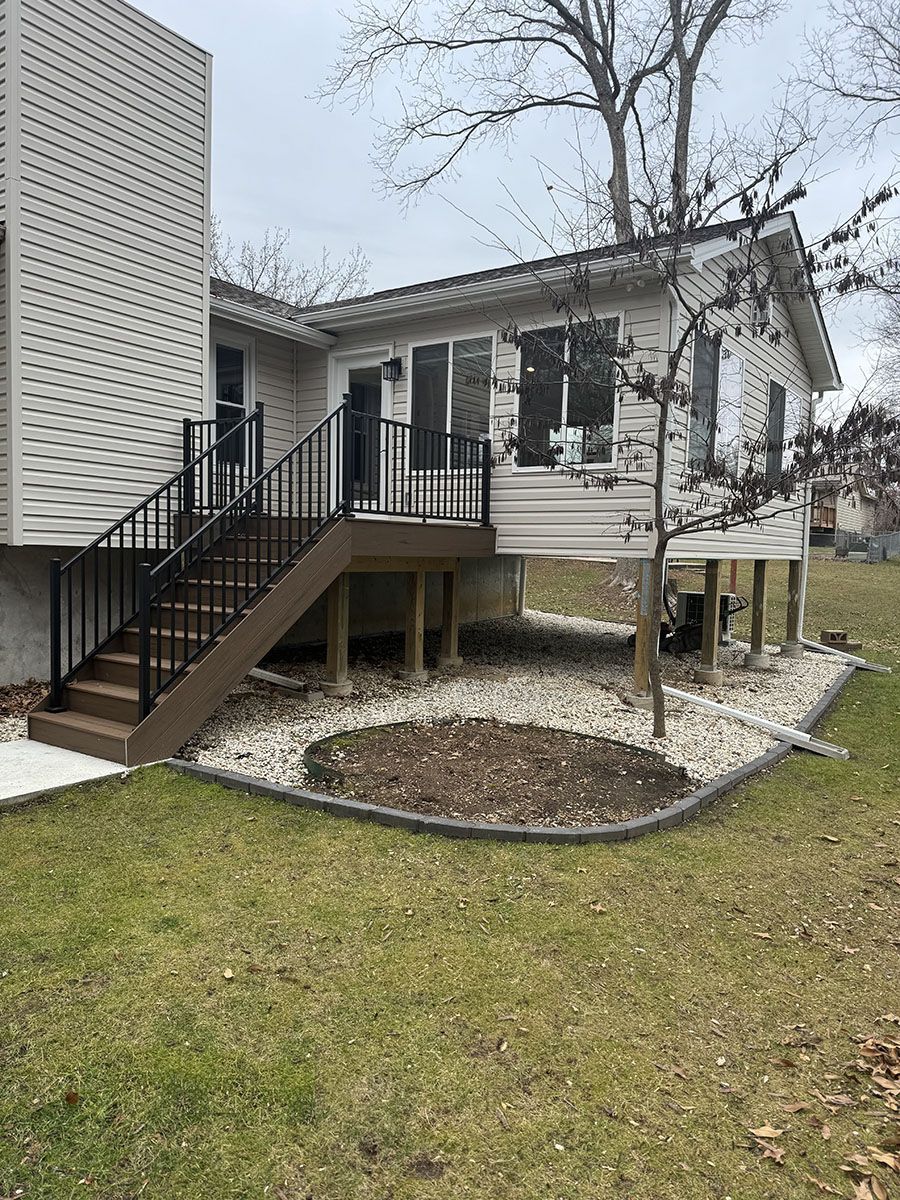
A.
pixel 391 369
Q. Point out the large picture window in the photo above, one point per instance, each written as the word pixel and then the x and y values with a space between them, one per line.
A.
pixel 717 387
pixel 451 393
pixel 787 417
pixel 567 399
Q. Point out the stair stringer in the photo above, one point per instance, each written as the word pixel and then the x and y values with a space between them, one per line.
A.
pixel 180 712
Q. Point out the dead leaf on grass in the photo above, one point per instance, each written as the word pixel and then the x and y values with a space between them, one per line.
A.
pixel 821 1185
pixel 776 1153
pixel 767 1131
pixel 597 907
pixel 797 1106
pixel 764 937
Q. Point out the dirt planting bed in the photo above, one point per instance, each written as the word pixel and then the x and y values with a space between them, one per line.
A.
pixel 488 770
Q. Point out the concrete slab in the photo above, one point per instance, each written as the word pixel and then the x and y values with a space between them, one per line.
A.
pixel 29 769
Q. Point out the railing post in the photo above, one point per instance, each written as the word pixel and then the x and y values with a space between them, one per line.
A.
pixel 259 452
pixel 143 640
pixel 347 457
pixel 187 456
pixel 486 454
pixel 55 703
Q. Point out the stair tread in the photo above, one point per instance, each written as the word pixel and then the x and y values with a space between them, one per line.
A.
pixel 85 722
pixel 101 687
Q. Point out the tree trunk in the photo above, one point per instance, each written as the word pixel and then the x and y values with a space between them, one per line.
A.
pixel 619 184
pixel 657 576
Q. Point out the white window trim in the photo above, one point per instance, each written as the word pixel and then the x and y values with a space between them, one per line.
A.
pixel 790 389
pixel 223 336
pixel 449 342
pixel 366 356
pixel 612 465
pixel 743 362
pixel 687 440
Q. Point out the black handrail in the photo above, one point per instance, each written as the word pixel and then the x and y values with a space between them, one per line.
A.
pixel 227 562
pixel 94 595
pixel 349 463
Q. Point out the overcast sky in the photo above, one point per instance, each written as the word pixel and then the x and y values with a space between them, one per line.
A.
pixel 280 158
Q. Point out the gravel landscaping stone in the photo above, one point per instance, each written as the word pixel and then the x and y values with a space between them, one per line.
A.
pixel 566 672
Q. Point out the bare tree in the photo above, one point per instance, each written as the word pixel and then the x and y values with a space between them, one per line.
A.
pixel 471 69
pixel 855 57
pixel 267 267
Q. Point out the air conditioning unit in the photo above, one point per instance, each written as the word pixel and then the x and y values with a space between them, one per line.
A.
pixel 689 611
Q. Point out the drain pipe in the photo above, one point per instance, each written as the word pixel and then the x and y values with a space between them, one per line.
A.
pixel 784 733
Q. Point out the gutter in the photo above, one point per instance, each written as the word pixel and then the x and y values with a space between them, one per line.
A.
pixel 240 314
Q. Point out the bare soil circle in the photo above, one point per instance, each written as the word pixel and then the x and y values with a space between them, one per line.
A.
pixel 488 770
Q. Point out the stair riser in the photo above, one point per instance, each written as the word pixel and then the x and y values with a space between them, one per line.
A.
pixel 213 593
pixel 203 619
pixel 164 647
pixel 251 527
pixel 237 569
pixel 108 707
pixel 99 745
pixel 113 672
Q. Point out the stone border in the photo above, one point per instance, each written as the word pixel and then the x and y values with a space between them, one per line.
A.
pixel 666 818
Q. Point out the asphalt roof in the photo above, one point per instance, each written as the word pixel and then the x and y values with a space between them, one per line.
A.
pixel 230 291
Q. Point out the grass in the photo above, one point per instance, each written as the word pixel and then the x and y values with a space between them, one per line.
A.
pixel 414 1017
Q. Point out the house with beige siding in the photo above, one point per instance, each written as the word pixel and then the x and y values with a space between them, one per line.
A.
pixel 191 473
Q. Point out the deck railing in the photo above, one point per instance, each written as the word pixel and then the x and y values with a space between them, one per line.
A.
pixel 186 562
pixel 94 595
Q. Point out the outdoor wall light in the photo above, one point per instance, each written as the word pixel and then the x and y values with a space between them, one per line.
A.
pixel 391 370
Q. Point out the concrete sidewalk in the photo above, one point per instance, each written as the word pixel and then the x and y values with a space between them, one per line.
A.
pixel 29 769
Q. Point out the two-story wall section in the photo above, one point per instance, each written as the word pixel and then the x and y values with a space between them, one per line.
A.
pixel 4 401
pixel 107 222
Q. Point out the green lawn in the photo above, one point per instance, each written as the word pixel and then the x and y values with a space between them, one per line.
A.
pixel 413 1017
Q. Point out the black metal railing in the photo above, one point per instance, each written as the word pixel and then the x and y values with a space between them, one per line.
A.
pixel 349 463
pixel 195 554
pixel 404 470
pixel 192 596
pixel 94 595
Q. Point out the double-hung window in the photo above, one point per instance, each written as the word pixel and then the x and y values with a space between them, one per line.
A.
pixel 717 397
pixel 567 395
pixel 787 417
pixel 451 393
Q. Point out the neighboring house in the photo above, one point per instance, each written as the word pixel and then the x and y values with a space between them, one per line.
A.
pixel 122 364
pixel 848 506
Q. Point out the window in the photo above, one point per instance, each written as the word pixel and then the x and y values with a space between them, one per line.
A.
pixel 717 386
pixel 787 418
pixel 727 446
pixel 567 400
pixel 231 386
pixel 451 393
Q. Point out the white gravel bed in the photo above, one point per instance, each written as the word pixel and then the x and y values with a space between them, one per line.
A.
pixel 544 669
pixel 13 728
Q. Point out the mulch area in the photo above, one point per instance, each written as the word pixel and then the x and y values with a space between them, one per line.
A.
pixel 480 770
pixel 18 699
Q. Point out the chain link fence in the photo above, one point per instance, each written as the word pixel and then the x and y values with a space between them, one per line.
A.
pixel 867 548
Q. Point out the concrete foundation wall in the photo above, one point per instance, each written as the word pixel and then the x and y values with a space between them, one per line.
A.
pixel 377 605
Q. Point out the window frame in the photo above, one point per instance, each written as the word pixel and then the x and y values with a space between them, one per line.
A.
pixel 789 390
pixel 715 423
pixel 612 465
pixel 449 342
pixel 220 335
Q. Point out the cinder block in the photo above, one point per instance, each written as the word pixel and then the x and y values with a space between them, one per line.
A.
pixel 445 826
pixel 393 816
pixel 546 833
pixel 615 832
pixel 495 832
pixel 304 799
pixel 668 818
pixel 343 807
pixel 639 826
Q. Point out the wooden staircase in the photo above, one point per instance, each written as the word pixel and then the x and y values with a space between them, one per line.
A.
pixel 155 622
pixel 101 713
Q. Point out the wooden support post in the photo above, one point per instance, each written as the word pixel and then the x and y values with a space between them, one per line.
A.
pixel 792 646
pixel 757 656
pixel 449 656
pixel 336 682
pixel 708 671
pixel 414 664
pixel 640 697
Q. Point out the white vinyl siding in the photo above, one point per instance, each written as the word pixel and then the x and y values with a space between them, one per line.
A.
pixel 4 378
pixel 112 304
pixel 781 533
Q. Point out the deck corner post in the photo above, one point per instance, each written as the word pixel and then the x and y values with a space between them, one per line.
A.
pixel 708 672
pixel 414 646
pixel 55 703
pixel 757 658
pixel 347 457
pixel 487 450
pixel 792 647
pixel 336 681
pixel 449 656
pixel 144 592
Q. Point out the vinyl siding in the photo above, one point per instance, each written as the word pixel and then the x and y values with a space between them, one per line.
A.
pixel 4 383
pixel 276 389
pixel 855 512
pixel 780 534
pixel 537 512
pixel 112 240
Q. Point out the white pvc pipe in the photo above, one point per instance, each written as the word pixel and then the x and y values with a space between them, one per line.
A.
pixel 862 663
pixel 783 732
